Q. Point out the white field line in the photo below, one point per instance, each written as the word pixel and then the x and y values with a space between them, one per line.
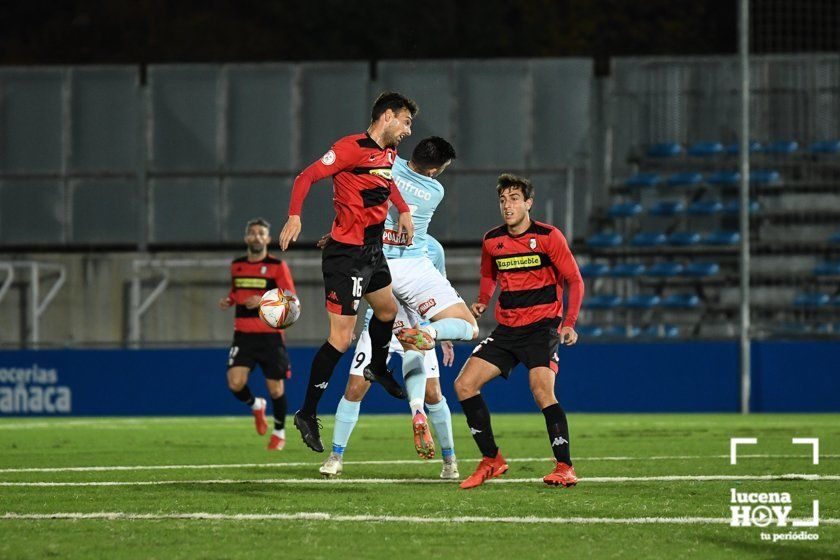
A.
pixel 319 516
pixel 383 462
pixel 357 481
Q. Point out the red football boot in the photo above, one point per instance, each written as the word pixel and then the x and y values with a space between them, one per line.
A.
pixel 419 337
pixel 259 417
pixel 489 467
pixel 276 443
pixel 562 475
pixel 423 442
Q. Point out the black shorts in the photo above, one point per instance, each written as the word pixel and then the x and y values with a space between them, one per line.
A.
pixel 264 349
pixel 532 345
pixel 351 271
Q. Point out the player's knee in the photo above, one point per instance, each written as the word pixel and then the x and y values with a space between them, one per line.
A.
pixel 433 395
pixel 341 339
pixel 474 329
pixel 543 397
pixel 387 311
pixel 464 388
pixel 356 388
pixel 276 391
pixel 236 385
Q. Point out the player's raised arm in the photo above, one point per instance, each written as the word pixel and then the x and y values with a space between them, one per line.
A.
pixel 335 160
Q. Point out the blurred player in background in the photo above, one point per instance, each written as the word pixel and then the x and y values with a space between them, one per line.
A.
pixel 352 261
pixel 530 260
pixel 254 342
pixel 439 414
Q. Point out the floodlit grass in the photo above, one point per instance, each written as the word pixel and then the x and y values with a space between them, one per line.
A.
pixel 235 475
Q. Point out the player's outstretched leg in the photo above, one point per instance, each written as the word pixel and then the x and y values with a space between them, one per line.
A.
pixel 453 323
pixel 414 374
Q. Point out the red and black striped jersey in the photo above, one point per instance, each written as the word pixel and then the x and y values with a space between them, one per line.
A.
pixel 362 186
pixel 530 268
pixel 254 278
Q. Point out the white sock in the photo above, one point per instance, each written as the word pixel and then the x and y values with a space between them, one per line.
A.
pixel 416 406
pixel 280 433
pixel 258 404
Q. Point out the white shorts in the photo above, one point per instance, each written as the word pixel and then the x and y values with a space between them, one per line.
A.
pixel 420 287
pixel 361 357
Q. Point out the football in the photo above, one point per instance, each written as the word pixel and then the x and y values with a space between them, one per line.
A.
pixel 278 309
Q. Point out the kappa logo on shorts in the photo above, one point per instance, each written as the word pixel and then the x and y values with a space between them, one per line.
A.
pixel 333 297
pixel 426 305
pixel 555 357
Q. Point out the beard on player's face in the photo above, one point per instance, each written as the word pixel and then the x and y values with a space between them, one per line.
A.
pixel 256 247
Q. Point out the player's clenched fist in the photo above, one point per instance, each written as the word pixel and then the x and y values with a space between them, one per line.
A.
pixel 478 309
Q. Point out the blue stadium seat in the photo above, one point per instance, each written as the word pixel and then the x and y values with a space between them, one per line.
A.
pixel 643 180
pixel 835 239
pixel 701 269
pixel 734 207
pixel 724 178
pixel 681 301
pixel 835 301
pixel 667 208
pixel 648 239
pixel 782 147
pixel 764 177
pixel 722 238
pixel 589 330
pixel 824 328
pixel 605 240
pixel 665 269
pixel 664 149
pixel 735 148
pixel 642 301
pixel 618 331
pixel 684 178
pixel 827 268
pixel 825 147
pixel 606 301
pixel 705 208
pixel 684 238
pixel 625 210
pixel 663 331
pixel 627 270
pixel 594 270
pixel 705 149
pixel 811 299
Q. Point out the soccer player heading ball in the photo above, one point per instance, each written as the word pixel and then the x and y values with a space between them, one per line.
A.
pixel 530 260
pixel 352 261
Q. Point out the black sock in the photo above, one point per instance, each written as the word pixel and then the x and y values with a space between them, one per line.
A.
pixel 478 419
pixel 278 407
pixel 323 365
pixel 380 339
pixel 245 395
pixel 558 432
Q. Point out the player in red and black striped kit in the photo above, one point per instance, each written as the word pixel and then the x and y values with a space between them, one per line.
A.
pixel 530 261
pixel 352 261
pixel 254 342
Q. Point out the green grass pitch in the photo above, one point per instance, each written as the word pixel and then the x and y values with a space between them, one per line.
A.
pixel 650 487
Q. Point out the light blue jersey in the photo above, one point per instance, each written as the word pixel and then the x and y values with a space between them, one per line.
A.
pixel 422 194
pixel 435 254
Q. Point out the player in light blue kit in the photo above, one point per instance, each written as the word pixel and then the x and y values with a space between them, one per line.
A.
pixel 439 417
pixel 422 291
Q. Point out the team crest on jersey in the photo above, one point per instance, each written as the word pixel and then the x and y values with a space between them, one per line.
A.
pixel 263 269
pixel 390 158
pixel 329 158
pixel 384 173
pixel 532 243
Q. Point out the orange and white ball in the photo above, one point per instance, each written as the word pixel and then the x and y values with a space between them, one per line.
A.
pixel 279 309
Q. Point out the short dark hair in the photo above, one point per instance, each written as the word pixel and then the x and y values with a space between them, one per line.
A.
pixel 432 152
pixel 257 222
pixel 511 181
pixel 394 101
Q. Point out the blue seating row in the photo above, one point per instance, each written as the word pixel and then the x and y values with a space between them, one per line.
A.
pixel 815 300
pixel 694 178
pixel 710 149
pixel 642 301
pixel 660 270
pixel 659 239
pixel 617 331
pixel 676 207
